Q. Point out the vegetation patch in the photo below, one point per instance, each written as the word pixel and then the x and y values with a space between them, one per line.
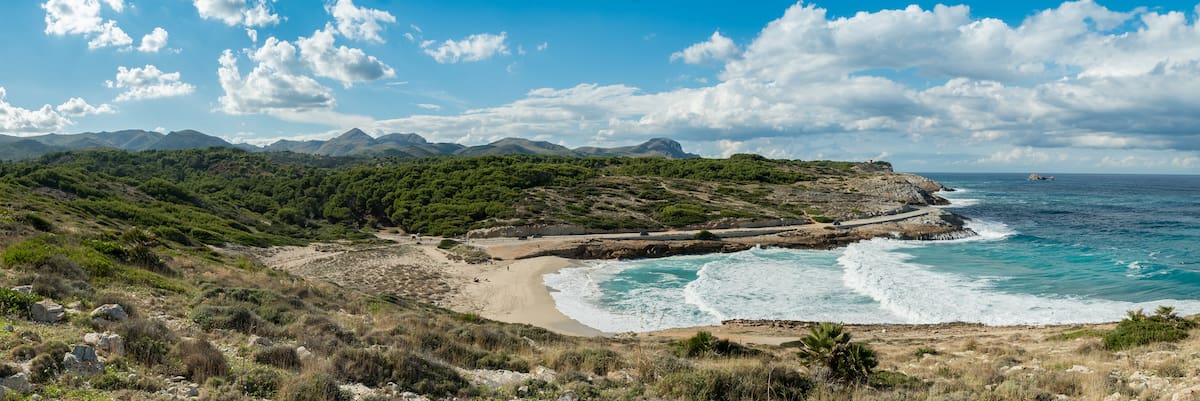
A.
pixel 1139 329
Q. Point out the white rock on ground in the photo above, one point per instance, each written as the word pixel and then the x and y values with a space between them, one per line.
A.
pixel 108 342
pixel 109 313
pixel 24 289
pixel 18 382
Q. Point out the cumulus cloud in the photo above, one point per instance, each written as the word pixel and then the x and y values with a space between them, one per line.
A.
pixel 341 63
pixel 148 82
pixel 359 22
pixel 82 17
pixel 477 47
pixel 1074 76
pixel 247 13
pixel 77 107
pixel 273 86
pixel 17 120
pixel 154 41
pixel 716 48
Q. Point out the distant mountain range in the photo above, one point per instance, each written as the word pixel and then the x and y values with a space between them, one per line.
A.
pixel 354 142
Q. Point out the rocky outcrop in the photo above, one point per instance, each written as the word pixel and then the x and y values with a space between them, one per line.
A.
pixel 24 289
pixel 82 361
pixel 18 383
pixel 108 313
pixel 1039 177
pixel 110 343
pixel 46 311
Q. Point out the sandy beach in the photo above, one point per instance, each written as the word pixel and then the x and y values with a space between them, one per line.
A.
pixel 514 292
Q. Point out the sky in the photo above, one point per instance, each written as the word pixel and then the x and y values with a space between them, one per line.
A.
pixel 1020 86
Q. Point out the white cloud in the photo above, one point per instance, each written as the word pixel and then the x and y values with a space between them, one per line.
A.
pixel 82 17
pixel 716 48
pixel 16 120
pixel 429 106
pixel 542 47
pixel 110 35
pixel 148 83
pixel 252 34
pixel 477 47
pixel 154 41
pixel 1069 78
pixel 248 13
pixel 271 87
pixel 77 107
pixel 359 23
pixel 341 63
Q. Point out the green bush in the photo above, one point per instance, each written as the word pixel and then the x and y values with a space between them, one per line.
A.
pixel 828 345
pixel 705 235
pixel 447 243
pixel 704 344
pixel 682 215
pixel 147 342
pixel 45 367
pixel 37 222
pixel 16 303
pixel 230 317
pixel 1139 329
pixel 260 382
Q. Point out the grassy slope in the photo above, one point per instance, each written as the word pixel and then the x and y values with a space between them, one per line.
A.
pixel 89 233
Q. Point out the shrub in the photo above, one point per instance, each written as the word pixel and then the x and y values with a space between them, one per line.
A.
pixel 115 298
pixel 16 303
pixel 369 367
pixel 232 317
pixel 37 222
pixel 201 360
pixel 280 356
pixel 171 234
pixel 260 382
pixel 45 367
pixel 705 235
pixel 591 360
pixel 1139 329
pixel 58 287
pixel 828 345
pixel 312 387
pixel 705 344
pixel 447 243
pixel 755 383
pixel 682 215
pixel 206 237
pixel 7 370
pixel 147 342
pixel 425 377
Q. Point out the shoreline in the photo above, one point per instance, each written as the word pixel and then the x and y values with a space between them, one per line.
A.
pixel 516 293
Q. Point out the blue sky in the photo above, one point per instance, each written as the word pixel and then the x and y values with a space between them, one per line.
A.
pixel 1108 86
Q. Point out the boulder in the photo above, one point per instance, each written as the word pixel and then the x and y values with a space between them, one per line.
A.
pixel 18 382
pixel 46 311
pixel 568 396
pixel 108 342
pixel 24 289
pixel 82 361
pixel 303 353
pixel 110 313
pixel 256 341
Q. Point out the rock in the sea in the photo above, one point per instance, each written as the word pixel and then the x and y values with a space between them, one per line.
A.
pixel 24 289
pixel 1039 177
pixel 107 342
pixel 18 382
pixel 110 313
pixel 46 311
pixel 82 361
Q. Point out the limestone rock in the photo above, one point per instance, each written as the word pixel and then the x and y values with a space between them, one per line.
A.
pixel 18 382
pixel 107 342
pixel 303 353
pixel 256 341
pixel 568 396
pixel 82 361
pixel 24 289
pixel 1113 397
pixel 1080 369
pixel 357 390
pixel 410 396
pixel 109 313
pixel 46 311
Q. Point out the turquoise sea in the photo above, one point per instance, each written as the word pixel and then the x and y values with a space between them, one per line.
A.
pixel 1082 248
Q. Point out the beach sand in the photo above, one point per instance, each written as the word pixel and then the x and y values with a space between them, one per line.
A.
pixel 514 292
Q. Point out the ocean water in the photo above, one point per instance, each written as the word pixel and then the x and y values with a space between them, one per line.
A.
pixel 1082 248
